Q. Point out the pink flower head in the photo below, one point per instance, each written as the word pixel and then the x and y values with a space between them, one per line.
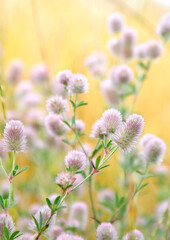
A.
pixel 65 180
pixel 26 236
pixel 115 22
pixel 10 226
pixel 154 49
pixel 134 235
pixel 14 136
pixel 14 71
pixel 75 160
pixel 80 126
pixel 98 129
pixel 24 88
pixel 78 84
pixel 106 195
pixel 106 231
pixel 55 232
pixel 2 150
pixel 163 28
pixel 129 133
pixel 57 105
pixel 55 125
pixel 63 77
pixel 154 150
pixel 122 74
pixel 112 120
pixel 39 73
pixel 66 236
pixel 114 46
pixel 110 92
pixel 140 51
pixel 145 139
pixel 129 36
pixel 79 213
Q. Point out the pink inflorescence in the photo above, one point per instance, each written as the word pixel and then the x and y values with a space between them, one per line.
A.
pixel 66 236
pixel 3 224
pixel 122 74
pixel 65 180
pixel 110 92
pixel 78 84
pixel 106 231
pixel 55 125
pixel 154 49
pixel 14 71
pixel 80 126
pixel 57 105
pixel 114 46
pixel 115 22
pixel 14 136
pixel 163 27
pixel 98 130
pixel 26 236
pixel 39 73
pixel 134 235
pixel 129 133
pixel 75 160
pixel 63 77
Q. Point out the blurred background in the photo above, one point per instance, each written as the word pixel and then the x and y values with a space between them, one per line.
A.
pixel 62 33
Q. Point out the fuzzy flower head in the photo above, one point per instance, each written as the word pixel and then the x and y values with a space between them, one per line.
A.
pixel 46 213
pixel 163 27
pixel 80 126
pixel 106 195
pixel 140 51
pixel 114 46
pixel 26 236
pixel 3 224
pixel 2 150
pixel 14 136
pixel 115 22
pixel 112 120
pixel 65 180
pixel 154 150
pixel 154 49
pixel 57 105
pixel 66 236
pixel 75 160
pixel 55 125
pixel 14 71
pixel 110 92
pixel 63 77
pixel 123 74
pixel 39 73
pixel 55 232
pixel 98 129
pixel 134 235
pixel 145 139
pixel 129 133
pixel 106 231
pixel 78 84
pixel 129 36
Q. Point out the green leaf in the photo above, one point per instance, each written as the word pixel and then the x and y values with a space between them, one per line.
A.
pixel 67 123
pixel 21 170
pixel 82 103
pixel 13 204
pixel 57 200
pixel 142 77
pixel 41 220
pixel 15 234
pixel 96 150
pixel 72 103
pixel 142 186
pixel 65 140
pixel 142 65
pixel 57 209
pixel 36 223
pixel 49 203
pixel 105 166
pixel 6 232
pixel 109 144
pixel 73 120
pixel 98 161
pixel 139 172
pixel 2 202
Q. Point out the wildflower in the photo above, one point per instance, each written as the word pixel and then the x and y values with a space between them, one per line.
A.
pixel 134 235
pixel 106 195
pixel 98 129
pixel 65 180
pixel 3 224
pixel 2 152
pixel 106 231
pixel 26 236
pixel 161 208
pixel 112 120
pixel 163 27
pixel 75 160
pixel 63 77
pixel 46 213
pixel 140 51
pixel 55 125
pixel 154 49
pixel 39 73
pixel 154 150
pixel 31 100
pixel 57 105
pixel 80 126
pixel 129 133
pixel 79 213
pixel 129 36
pixel 78 84
pixel 114 46
pixel 55 232
pixel 23 88
pixel 66 236
pixel 115 22
pixel 145 139
pixel 14 136
pixel 23 223
pixel 14 71
pixel 110 92
pixel 122 74
pixel 5 187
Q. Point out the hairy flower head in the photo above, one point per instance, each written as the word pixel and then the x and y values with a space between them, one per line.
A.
pixel 3 224
pixel 75 160
pixel 55 125
pixel 115 22
pixel 65 180
pixel 106 231
pixel 78 84
pixel 134 235
pixel 112 120
pixel 57 105
pixel 63 77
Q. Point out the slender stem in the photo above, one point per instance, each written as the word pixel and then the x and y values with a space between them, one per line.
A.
pixel 3 169
pixel 3 102
pixel 107 157
pixel 11 181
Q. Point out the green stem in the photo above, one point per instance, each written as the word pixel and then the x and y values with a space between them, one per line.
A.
pixel 3 169
pixel 11 181
pixel 107 157
pixel 3 102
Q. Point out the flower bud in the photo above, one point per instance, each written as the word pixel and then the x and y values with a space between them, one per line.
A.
pixel 106 231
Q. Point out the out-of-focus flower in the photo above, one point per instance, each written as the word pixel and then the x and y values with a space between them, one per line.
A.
pixel 106 231
pixel 14 71
pixel 110 92
pixel 80 125
pixel 129 133
pixel 122 75
pixel 106 195
pixel 13 115
pixel 5 187
pixel 46 213
pixel 78 213
pixel 65 180
pixel 78 84
pixel 154 49
pixel 35 117
pixel 34 208
pixel 31 100
pixel 115 22
pixel 57 105
pixel 134 235
pixel 154 151
pixel 55 125
pixel 128 40
pixel 145 139
pixel 75 160
pixel 26 236
pixel 96 63
pixel 66 236
pixel 23 223
pixel 112 120
pixel 114 46
pixel 140 51
pixel 3 224
pixel 161 170
pixel 163 27
pixel 55 232
pixel 63 77
pixel 98 129
pixel 161 208
pixel 14 137
pixel 39 73
pixel 2 151
pixel 23 88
